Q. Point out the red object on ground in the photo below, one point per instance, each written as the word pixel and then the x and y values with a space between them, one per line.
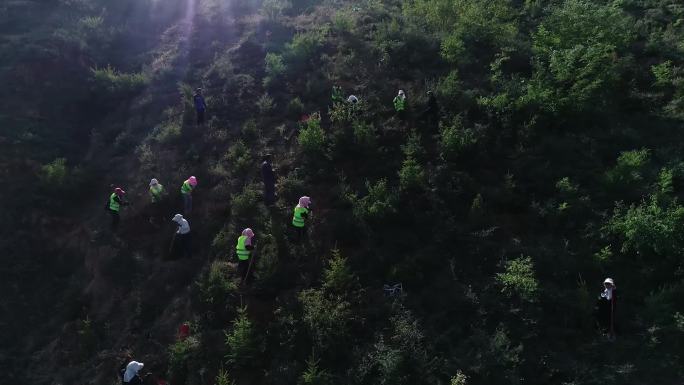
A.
pixel 162 382
pixel 304 118
pixel 183 331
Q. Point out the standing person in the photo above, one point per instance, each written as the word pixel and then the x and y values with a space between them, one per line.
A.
pixel 116 200
pixel 400 103
pixel 431 113
pixel 186 192
pixel 269 180
pixel 182 239
pixel 301 213
pixel 243 250
pixel 607 308
pixel 131 375
pixel 156 191
pixel 200 106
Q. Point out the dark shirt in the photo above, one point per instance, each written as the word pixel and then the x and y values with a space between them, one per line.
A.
pixel 199 103
pixel 267 173
pixel 432 104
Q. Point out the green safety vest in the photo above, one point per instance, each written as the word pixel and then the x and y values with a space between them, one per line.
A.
pixel 155 192
pixel 186 188
pixel 113 204
pixel 399 103
pixel 297 219
pixel 241 248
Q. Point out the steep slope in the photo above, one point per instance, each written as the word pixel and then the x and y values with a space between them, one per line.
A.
pixel 552 161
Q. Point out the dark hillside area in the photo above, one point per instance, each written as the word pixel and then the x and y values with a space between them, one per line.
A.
pixel 477 181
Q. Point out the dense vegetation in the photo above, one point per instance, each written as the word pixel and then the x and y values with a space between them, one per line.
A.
pixel 556 161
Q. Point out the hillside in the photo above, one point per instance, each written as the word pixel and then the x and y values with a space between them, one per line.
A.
pixel 548 159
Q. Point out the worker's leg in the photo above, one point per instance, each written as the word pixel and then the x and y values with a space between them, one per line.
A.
pixel 269 195
pixel 187 204
pixel 242 267
pixel 115 219
pixel 187 245
pixel 200 117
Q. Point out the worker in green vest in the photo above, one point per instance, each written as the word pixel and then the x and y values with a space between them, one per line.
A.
pixel 243 250
pixel 186 192
pixel 301 213
pixel 116 200
pixel 400 103
pixel 156 192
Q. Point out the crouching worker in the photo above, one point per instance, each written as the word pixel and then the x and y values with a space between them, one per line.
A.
pixel 243 250
pixel 301 213
pixel 116 200
pixel 182 237
pixel 130 375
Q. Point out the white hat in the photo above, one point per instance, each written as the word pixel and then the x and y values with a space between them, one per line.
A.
pixel 401 92
pixel 609 280
pixel 154 182
pixel 177 218
pixel 132 369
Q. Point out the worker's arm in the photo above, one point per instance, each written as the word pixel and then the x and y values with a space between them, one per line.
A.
pixel 121 201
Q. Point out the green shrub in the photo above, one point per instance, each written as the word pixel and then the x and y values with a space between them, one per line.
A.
pixel 87 337
pixel 275 68
pixel 291 187
pixel 663 73
pixel 54 174
pixel 243 204
pixel 250 131
pixel 338 277
pixel 412 176
pixel 145 156
pixel 240 159
pixel 413 147
pixel 223 378
pixel 115 83
pixel 181 353
pixel 454 139
pixel 649 228
pixel 364 135
pixel 519 279
pixel 377 205
pixel 343 22
pixel 168 132
pixel 630 168
pixel 295 108
pixel 303 48
pixel 449 87
pixel 265 104
pixel 242 342
pixel 312 137
pixel 91 22
pixel 328 317
pixel 314 375
pixel 267 263
pixel 217 287
pixel 342 114
pixel 273 9
pixel 459 379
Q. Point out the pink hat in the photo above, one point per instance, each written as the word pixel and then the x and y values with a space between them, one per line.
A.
pixel 304 202
pixel 248 232
pixel 119 191
pixel 193 181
